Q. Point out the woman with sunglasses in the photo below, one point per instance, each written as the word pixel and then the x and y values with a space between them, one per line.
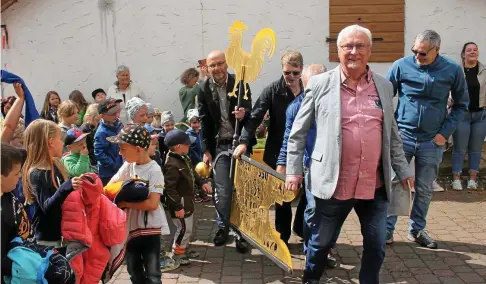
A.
pixel 471 131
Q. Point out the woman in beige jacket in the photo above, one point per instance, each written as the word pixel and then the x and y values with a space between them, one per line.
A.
pixel 471 131
pixel 124 89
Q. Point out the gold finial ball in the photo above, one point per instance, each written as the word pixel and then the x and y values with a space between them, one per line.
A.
pixel 202 169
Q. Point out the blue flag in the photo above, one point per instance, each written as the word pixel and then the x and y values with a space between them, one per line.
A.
pixel 31 112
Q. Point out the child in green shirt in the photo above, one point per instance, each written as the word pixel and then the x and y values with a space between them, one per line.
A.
pixel 76 160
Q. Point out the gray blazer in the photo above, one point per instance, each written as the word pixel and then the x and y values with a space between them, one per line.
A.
pixel 322 103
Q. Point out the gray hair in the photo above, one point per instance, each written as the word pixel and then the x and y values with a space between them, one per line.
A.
pixel 313 69
pixel 122 68
pixel 429 35
pixel 353 29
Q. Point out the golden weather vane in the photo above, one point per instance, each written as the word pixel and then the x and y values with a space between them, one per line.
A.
pixel 246 63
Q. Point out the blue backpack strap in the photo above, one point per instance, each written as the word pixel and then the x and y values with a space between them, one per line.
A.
pixel 17 240
pixel 43 267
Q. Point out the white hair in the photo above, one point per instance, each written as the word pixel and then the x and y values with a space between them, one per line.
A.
pixel 353 29
pixel 313 69
pixel 429 35
pixel 122 68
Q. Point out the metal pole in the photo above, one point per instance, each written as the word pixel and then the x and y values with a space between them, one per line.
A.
pixel 236 137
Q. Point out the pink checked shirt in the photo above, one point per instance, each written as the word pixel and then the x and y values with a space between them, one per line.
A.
pixel 362 123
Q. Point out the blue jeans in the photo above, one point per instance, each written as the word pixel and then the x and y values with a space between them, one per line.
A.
pixel 309 212
pixel 143 260
pixel 223 188
pixel 330 215
pixel 469 137
pixel 428 156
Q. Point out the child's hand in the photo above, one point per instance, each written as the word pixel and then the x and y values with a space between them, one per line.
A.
pixel 18 90
pixel 76 182
pixel 84 151
pixel 180 214
pixel 207 188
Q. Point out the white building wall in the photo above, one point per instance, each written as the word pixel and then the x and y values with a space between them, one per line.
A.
pixel 66 45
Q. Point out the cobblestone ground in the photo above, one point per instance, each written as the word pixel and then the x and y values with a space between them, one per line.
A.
pixel 456 219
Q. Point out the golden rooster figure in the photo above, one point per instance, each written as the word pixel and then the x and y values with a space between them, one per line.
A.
pixel 236 57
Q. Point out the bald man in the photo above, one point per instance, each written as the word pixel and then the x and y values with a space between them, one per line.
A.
pixel 218 115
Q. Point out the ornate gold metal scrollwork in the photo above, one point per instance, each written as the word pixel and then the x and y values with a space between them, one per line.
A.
pixel 257 188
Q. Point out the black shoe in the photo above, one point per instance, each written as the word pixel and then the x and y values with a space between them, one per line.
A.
pixel 221 237
pixel 331 261
pixel 309 281
pixel 423 239
pixel 241 245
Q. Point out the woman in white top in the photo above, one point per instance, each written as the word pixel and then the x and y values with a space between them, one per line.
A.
pixel 124 89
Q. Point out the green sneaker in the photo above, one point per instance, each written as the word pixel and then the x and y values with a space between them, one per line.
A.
pixel 168 264
pixel 182 259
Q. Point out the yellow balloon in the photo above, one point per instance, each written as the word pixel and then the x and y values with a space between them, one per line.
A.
pixel 202 169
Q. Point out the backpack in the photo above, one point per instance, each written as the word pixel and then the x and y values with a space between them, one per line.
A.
pixel 37 264
pixel 28 266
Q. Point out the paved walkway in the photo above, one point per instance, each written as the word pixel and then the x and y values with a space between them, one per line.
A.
pixel 456 219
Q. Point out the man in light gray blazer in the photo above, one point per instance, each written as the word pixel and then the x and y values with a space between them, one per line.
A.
pixel 357 145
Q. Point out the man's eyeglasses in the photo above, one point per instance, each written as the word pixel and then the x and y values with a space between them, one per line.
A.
pixel 295 73
pixel 423 54
pixel 217 64
pixel 360 47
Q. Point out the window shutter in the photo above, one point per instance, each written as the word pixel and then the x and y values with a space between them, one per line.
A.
pixel 384 18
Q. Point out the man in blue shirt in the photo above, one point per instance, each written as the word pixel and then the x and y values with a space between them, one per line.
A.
pixel 423 82
pixel 307 200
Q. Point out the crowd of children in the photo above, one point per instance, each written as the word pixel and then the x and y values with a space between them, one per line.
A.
pixel 74 140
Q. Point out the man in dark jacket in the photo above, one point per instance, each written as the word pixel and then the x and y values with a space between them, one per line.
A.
pixel 218 115
pixel 275 98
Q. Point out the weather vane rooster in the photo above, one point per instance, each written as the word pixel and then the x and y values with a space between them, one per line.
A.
pixel 246 65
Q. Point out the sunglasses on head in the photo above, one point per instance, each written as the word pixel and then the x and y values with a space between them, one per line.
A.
pixel 295 73
pixel 416 52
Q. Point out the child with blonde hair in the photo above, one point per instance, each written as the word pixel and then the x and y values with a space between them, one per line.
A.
pixel 91 122
pixel 45 181
pixel 67 113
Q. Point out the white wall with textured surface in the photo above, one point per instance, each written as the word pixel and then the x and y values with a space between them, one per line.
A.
pixel 71 44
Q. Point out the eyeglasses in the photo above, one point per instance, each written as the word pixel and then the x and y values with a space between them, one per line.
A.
pixel 295 73
pixel 423 54
pixel 217 64
pixel 360 47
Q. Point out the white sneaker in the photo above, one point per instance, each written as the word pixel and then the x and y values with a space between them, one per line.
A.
pixel 472 184
pixel 436 187
pixel 457 185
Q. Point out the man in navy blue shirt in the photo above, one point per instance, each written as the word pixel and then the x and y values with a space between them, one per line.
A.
pixel 306 201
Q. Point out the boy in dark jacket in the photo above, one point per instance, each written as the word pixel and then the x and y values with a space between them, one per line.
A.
pixel 107 154
pixel 180 181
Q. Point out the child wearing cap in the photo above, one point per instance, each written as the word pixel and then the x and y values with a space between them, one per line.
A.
pixel 137 110
pixel 107 154
pixel 77 160
pixel 195 151
pixel 180 181
pixel 168 124
pixel 146 220
pixel 98 95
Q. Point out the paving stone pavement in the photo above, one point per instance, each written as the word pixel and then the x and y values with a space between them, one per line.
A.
pixel 456 219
